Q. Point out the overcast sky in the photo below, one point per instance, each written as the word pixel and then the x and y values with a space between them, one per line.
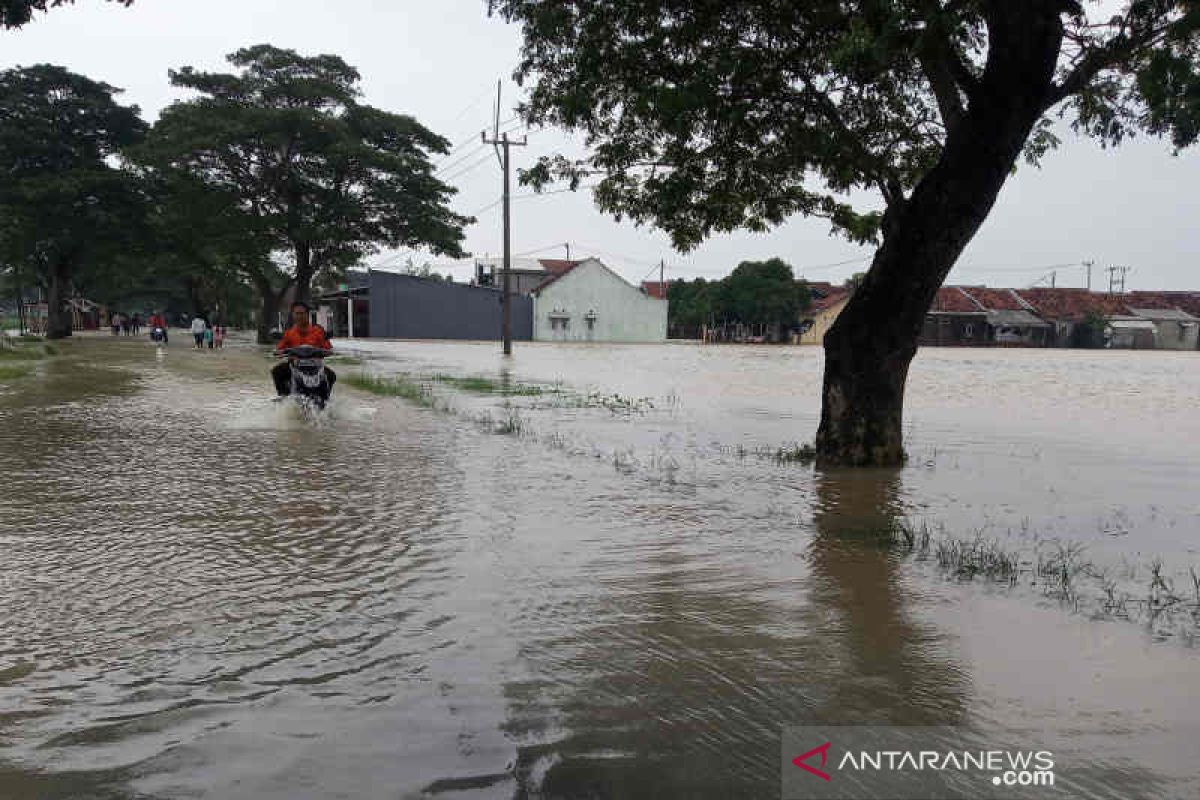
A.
pixel 439 61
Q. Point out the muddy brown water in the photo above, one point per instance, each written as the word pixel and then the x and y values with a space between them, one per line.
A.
pixel 622 595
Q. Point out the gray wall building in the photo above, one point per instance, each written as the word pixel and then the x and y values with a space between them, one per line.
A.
pixel 408 307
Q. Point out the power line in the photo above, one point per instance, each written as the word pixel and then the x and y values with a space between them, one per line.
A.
pixel 460 159
pixel 539 249
pixel 466 141
pixel 488 207
pixel 1019 269
pixel 467 169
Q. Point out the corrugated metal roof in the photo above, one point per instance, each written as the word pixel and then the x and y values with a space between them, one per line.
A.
pixel 1130 323
pixel 1164 314
pixel 1020 318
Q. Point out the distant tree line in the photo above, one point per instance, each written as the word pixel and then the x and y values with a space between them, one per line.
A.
pixel 759 298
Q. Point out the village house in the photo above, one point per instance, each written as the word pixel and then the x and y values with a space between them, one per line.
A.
pixel 954 318
pixel 1175 316
pixel 978 316
pixel 1073 312
pixel 588 302
pixel 827 302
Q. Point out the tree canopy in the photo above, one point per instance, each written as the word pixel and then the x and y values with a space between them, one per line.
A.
pixel 64 207
pixel 706 116
pixel 15 13
pixel 756 293
pixel 327 178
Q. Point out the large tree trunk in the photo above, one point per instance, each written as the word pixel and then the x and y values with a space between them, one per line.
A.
pixel 59 322
pixel 304 271
pixel 870 346
pixel 270 307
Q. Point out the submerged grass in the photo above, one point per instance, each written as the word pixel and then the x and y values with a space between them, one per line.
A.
pixel 481 385
pixel 23 349
pixel 397 386
pixel 18 353
pixel 1063 573
pixel 13 371
pixel 796 454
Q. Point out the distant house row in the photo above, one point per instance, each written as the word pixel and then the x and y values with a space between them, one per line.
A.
pixel 552 300
pixel 980 316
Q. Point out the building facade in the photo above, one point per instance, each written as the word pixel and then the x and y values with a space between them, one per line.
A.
pixel 827 302
pixel 591 303
pixel 410 307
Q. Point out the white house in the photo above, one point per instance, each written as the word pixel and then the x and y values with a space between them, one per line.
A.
pixel 591 303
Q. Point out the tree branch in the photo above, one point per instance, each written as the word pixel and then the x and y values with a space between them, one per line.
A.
pixel 1118 49
pixel 880 172
pixel 948 76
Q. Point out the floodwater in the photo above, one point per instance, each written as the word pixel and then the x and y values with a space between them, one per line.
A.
pixel 609 588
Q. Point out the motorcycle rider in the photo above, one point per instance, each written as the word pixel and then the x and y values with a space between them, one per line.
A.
pixel 301 333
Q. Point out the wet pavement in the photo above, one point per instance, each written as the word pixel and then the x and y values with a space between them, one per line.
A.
pixel 607 587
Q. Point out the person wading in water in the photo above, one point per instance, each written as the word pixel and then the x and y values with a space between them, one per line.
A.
pixel 302 332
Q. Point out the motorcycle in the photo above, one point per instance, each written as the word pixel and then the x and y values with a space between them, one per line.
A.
pixel 309 383
pixel 158 335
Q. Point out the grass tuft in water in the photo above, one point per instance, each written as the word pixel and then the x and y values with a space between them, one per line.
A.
pixel 21 349
pixel 796 454
pixel 967 558
pixel 481 385
pixel 396 386
pixel 511 424
pixel 14 371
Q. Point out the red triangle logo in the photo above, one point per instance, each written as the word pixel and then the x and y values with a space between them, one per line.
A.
pixel 800 759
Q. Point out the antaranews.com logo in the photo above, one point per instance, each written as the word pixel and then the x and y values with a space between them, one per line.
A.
pixel 907 762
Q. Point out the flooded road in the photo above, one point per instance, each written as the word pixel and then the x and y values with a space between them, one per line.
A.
pixel 608 585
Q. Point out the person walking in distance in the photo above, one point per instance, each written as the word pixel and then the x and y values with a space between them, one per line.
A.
pixel 198 328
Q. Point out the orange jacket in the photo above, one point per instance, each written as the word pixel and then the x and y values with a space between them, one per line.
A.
pixel 314 336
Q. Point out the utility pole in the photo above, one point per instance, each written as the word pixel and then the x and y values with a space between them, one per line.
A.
pixel 499 141
pixel 1053 276
pixel 1114 281
pixel 568 246
pixel 662 272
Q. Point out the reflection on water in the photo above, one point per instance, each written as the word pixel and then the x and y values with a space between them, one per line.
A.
pixel 206 595
pixel 890 669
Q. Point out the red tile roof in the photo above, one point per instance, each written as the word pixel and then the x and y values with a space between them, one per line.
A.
pixel 556 275
pixel 655 289
pixel 829 298
pixel 994 299
pixel 1073 304
pixel 1184 301
pixel 953 299
pixel 557 266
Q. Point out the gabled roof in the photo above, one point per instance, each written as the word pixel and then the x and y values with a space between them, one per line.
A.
pixel 557 266
pixel 1184 301
pixel 1073 304
pixel 994 299
pixel 827 298
pixel 954 300
pixel 554 277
